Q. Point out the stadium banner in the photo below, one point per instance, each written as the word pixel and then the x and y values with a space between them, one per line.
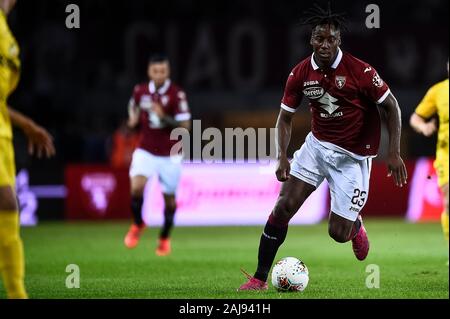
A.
pixel 240 194
pixel 97 192
pixel 425 198
pixel 213 194
pixel 229 194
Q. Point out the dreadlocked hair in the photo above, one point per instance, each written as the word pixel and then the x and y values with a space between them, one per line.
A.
pixel 316 16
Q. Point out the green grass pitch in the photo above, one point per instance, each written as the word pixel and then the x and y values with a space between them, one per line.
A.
pixel 205 262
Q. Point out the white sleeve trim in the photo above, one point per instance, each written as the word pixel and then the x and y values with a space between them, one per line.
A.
pixel 182 117
pixel 287 108
pixel 385 95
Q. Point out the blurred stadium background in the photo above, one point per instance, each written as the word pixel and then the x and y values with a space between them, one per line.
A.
pixel 232 58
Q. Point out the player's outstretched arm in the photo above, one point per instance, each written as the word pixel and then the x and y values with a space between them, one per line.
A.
pixel 40 142
pixel 283 136
pixel 421 126
pixel 396 166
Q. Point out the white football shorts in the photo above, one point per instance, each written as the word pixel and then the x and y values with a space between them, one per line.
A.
pixel 168 169
pixel 348 177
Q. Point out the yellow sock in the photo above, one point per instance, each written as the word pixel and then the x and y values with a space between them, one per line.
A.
pixel 444 222
pixel 12 265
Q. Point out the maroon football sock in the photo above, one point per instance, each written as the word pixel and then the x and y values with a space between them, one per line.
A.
pixel 136 209
pixel 272 237
pixel 169 216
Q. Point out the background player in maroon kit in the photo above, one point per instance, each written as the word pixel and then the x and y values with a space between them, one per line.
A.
pixel 343 94
pixel 156 108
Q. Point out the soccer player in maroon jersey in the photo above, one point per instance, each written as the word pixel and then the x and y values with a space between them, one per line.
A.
pixel 156 107
pixel 343 94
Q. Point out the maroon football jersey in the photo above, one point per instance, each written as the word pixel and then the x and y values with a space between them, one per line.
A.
pixel 343 101
pixel 154 134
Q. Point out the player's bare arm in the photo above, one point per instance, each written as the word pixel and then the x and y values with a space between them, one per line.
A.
pixel 39 140
pixel 421 126
pixel 283 131
pixel 396 166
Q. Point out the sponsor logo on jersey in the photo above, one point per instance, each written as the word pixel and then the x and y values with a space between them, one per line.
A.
pixel 326 116
pixel 308 83
pixel 327 103
pixel 367 69
pixel 377 81
pixel 313 92
pixel 340 81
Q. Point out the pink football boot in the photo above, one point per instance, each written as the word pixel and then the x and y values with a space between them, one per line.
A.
pixel 164 247
pixel 133 235
pixel 252 283
pixel 360 243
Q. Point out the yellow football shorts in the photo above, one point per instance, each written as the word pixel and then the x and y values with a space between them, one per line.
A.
pixel 441 166
pixel 7 164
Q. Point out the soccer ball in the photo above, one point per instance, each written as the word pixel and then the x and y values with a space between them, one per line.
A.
pixel 290 274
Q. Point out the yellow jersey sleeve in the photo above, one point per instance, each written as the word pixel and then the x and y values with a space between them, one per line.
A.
pixel 428 105
pixel 9 73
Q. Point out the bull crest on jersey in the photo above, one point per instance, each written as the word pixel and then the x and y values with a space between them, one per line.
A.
pixel 340 81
